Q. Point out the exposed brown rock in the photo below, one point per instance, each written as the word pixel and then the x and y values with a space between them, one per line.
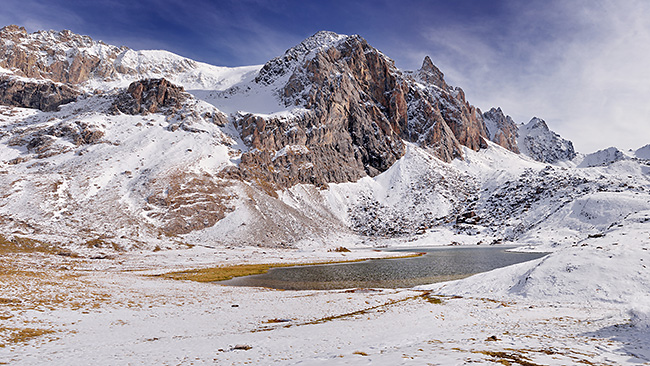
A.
pixel 150 96
pixel 504 129
pixel 24 55
pixel 430 74
pixel 361 109
pixel 45 95
pixel 189 202
pixel 44 141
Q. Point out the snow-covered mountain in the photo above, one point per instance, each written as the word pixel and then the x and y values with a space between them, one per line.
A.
pixel 536 140
pixel 107 148
pixel 65 57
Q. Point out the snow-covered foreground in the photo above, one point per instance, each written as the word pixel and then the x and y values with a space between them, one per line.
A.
pixel 579 305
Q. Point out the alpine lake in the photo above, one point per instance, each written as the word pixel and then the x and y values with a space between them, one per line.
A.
pixel 437 264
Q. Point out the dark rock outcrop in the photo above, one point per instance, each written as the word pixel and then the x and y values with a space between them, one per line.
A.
pixel 150 96
pixel 47 141
pixel 44 95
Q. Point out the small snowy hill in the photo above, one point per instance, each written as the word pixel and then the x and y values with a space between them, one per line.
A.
pixel 602 157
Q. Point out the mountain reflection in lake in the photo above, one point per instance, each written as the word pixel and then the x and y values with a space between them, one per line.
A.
pixel 438 265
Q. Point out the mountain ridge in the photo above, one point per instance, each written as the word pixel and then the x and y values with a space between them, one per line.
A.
pixel 331 142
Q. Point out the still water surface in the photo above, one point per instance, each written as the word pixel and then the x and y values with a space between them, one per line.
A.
pixel 438 265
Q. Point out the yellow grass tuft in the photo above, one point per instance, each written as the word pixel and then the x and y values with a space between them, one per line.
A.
pixel 19 244
pixel 17 335
pixel 228 272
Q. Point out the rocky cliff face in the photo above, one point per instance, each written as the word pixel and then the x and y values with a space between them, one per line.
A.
pixel 63 57
pixel 502 129
pixel 66 57
pixel 357 109
pixel 537 141
pixel 150 96
pixel 430 74
pixel 44 95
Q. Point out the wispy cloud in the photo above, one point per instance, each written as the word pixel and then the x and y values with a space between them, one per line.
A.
pixel 37 15
pixel 581 65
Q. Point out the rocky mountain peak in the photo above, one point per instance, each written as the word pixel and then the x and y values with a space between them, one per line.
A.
pixel 538 124
pixel 317 42
pixel 540 143
pixel 429 73
pixel 12 32
pixel 63 56
pixel 297 55
pixel 501 129
pixel 359 111
pixel 70 58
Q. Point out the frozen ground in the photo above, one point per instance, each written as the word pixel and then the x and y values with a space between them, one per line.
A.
pixel 582 304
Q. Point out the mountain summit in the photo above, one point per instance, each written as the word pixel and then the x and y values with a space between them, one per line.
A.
pixel 115 149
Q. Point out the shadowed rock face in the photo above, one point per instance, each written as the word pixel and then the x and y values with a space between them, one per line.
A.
pixel 46 95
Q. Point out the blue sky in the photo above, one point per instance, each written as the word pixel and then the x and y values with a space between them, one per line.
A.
pixel 579 64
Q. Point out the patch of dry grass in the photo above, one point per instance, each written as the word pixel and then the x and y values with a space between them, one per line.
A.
pixel 19 244
pixel 511 356
pixel 37 281
pixel 215 274
pixel 13 336
pixel 219 273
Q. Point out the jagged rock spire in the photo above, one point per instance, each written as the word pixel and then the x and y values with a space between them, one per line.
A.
pixel 431 74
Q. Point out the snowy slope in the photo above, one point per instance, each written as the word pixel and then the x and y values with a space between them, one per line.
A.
pixel 602 157
pixel 643 152
pixel 610 267
pixel 104 185
pixel 415 194
pixel 190 74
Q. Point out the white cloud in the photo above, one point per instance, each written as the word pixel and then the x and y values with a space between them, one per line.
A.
pixel 581 65
pixel 37 15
